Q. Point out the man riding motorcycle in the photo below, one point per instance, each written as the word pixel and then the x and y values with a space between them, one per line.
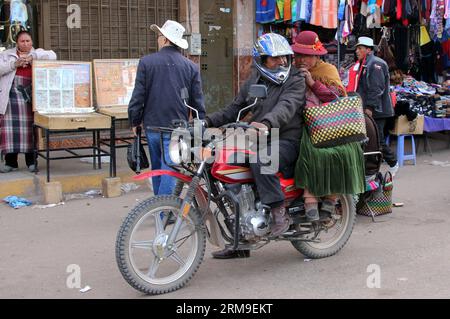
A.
pixel 280 110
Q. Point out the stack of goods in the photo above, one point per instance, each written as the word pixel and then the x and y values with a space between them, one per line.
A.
pixel 421 97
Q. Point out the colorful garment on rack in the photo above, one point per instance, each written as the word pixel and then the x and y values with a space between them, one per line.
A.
pixel 294 4
pixel 279 10
pixel 447 9
pixel 324 13
pixel 437 14
pixel 308 10
pixel 341 9
pixel 265 11
pixel 287 10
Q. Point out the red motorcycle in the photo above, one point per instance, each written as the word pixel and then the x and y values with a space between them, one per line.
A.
pixel 162 241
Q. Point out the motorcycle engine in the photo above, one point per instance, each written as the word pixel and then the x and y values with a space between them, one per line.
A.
pixel 253 221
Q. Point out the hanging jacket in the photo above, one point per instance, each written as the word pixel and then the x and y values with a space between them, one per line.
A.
pixel 265 11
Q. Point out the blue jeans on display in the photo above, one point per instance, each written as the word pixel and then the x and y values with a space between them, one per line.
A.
pixel 162 185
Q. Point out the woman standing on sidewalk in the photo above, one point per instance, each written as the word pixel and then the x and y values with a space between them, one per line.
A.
pixel 16 114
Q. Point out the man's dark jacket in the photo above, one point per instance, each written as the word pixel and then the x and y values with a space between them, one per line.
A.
pixel 374 87
pixel 156 99
pixel 282 108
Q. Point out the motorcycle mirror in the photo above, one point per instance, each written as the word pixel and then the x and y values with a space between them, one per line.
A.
pixel 184 96
pixel 258 91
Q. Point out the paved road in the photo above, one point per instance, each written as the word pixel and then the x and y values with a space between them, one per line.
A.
pixel 411 248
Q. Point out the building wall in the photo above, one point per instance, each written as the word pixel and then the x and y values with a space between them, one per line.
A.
pixel 242 31
pixel 245 36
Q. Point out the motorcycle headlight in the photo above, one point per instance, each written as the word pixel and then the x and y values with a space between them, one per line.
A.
pixel 178 150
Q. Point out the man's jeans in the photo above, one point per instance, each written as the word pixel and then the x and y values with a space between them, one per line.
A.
pixel 162 185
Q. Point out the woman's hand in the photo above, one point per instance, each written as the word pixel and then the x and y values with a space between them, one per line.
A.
pixel 308 77
pixel 21 63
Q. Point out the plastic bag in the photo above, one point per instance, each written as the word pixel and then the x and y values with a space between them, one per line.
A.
pixel 136 156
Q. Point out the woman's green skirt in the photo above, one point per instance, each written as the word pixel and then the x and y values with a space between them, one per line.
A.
pixel 333 170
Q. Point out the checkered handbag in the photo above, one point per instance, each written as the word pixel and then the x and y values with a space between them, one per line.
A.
pixel 336 123
pixel 377 202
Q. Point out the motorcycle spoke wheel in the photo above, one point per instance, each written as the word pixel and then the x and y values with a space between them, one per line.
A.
pixel 143 254
pixel 333 234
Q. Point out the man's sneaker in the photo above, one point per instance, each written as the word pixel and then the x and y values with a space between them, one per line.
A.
pixel 7 169
pixel 393 169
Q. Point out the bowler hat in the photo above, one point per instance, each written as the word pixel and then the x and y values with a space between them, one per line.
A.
pixel 307 42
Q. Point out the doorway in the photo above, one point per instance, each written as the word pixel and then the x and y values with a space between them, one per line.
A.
pixel 216 27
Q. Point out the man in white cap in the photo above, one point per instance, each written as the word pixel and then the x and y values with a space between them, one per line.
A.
pixel 373 86
pixel 156 100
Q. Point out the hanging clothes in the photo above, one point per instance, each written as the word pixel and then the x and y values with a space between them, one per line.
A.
pixel 324 14
pixel 279 10
pixel 287 10
pixel 301 9
pixel 265 11
pixel 341 10
pixel 294 4
pixel 437 14
pixel 401 45
pixel 308 10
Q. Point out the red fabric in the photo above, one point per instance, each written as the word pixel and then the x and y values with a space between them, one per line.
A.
pixel 25 72
pixel 446 47
pixel 428 10
pixel 324 93
pixel 399 9
pixel 353 77
pixel 393 98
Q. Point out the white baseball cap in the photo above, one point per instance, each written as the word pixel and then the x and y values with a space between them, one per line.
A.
pixel 366 41
pixel 173 31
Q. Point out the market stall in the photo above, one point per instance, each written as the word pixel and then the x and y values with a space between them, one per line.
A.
pixel 413 37
pixel 63 103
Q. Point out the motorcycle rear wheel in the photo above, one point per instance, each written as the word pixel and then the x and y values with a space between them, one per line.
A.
pixel 141 242
pixel 327 248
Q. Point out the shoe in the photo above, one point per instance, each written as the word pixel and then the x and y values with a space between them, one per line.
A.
pixel 7 169
pixel 281 221
pixel 32 168
pixel 312 215
pixel 393 169
pixel 172 219
pixel 229 253
pixel 328 207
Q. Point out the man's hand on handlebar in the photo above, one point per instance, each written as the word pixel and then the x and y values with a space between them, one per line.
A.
pixel 260 127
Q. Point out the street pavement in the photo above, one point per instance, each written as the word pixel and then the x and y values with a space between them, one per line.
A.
pixel 409 250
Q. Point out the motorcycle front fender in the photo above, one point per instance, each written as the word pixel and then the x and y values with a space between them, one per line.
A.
pixel 214 234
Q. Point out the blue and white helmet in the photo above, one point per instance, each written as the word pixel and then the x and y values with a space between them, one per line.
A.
pixel 272 44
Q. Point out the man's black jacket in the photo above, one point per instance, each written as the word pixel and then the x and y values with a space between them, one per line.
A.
pixel 156 99
pixel 283 107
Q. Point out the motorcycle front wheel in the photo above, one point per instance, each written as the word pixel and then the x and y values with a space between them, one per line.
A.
pixel 334 233
pixel 143 255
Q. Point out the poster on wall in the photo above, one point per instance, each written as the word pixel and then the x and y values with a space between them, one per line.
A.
pixel 62 87
pixel 114 81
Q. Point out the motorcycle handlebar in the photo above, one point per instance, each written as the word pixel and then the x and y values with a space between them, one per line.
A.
pixel 245 126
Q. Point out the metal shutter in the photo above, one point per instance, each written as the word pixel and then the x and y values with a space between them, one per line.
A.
pixel 109 29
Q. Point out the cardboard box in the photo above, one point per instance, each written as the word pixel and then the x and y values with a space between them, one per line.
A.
pixel 403 126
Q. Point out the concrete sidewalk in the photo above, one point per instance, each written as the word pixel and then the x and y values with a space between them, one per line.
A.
pixel 74 175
